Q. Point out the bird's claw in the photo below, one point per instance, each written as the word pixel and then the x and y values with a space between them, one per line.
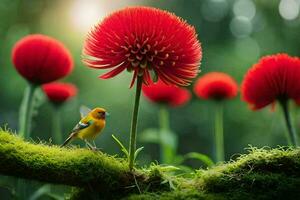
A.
pixel 93 148
pixel 98 149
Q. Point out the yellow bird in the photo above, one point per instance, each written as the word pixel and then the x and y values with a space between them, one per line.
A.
pixel 91 124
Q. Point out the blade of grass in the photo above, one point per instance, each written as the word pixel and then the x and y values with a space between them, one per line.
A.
pixel 122 147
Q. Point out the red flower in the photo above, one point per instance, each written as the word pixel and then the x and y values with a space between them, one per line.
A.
pixel 144 40
pixel 59 92
pixel 41 59
pixel 216 85
pixel 166 94
pixel 274 77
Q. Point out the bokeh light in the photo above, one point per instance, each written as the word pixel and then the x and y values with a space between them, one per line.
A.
pixel 241 26
pixel 289 9
pixel 244 8
pixel 85 13
pixel 247 49
pixel 214 10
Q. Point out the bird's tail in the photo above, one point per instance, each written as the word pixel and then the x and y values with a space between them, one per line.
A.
pixel 68 140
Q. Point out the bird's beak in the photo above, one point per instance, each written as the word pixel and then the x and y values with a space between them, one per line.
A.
pixel 107 114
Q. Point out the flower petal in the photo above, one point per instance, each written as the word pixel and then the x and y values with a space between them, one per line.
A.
pixel 113 72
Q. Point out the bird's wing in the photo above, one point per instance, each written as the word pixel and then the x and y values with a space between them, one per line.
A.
pixel 84 111
pixel 83 124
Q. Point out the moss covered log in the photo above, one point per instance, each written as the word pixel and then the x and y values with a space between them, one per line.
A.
pixel 70 166
pixel 264 174
pixel 260 174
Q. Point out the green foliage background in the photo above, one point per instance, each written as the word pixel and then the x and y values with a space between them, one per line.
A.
pixel 230 44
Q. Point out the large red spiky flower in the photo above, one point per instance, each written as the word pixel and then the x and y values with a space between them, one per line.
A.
pixel 41 59
pixel 59 93
pixel 216 85
pixel 274 77
pixel 144 40
pixel 166 94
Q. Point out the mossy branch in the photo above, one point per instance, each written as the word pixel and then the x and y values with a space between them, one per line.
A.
pixel 74 166
pixel 261 174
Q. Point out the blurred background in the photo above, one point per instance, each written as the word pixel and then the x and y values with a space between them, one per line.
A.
pixel 234 34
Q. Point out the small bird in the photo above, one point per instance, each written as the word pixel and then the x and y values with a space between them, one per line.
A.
pixel 91 124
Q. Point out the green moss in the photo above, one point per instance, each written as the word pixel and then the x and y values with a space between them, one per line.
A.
pixel 264 174
pixel 69 166
pixel 178 195
pixel 260 174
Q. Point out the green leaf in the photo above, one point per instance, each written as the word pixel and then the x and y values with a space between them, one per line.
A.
pixel 187 170
pixel 40 192
pixel 178 159
pixel 137 152
pixel 149 136
pixel 201 157
pixel 122 147
pixel 54 196
pixel 165 138
pixel 169 138
pixel 169 168
pixel 156 136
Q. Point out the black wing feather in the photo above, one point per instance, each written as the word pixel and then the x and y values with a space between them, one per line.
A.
pixel 81 126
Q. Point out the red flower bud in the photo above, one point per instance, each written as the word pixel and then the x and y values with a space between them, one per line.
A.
pixel 59 92
pixel 166 94
pixel 216 86
pixel 41 59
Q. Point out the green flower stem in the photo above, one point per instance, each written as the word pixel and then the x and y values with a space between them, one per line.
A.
pixel 22 189
pixel 25 115
pixel 56 125
pixel 219 137
pixel 292 136
pixel 166 153
pixel 133 129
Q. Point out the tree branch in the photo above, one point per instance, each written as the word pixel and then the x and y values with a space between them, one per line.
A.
pixel 69 166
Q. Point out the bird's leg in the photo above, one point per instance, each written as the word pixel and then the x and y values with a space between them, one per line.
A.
pixel 89 145
pixel 96 148
pixel 94 144
pixel 92 147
